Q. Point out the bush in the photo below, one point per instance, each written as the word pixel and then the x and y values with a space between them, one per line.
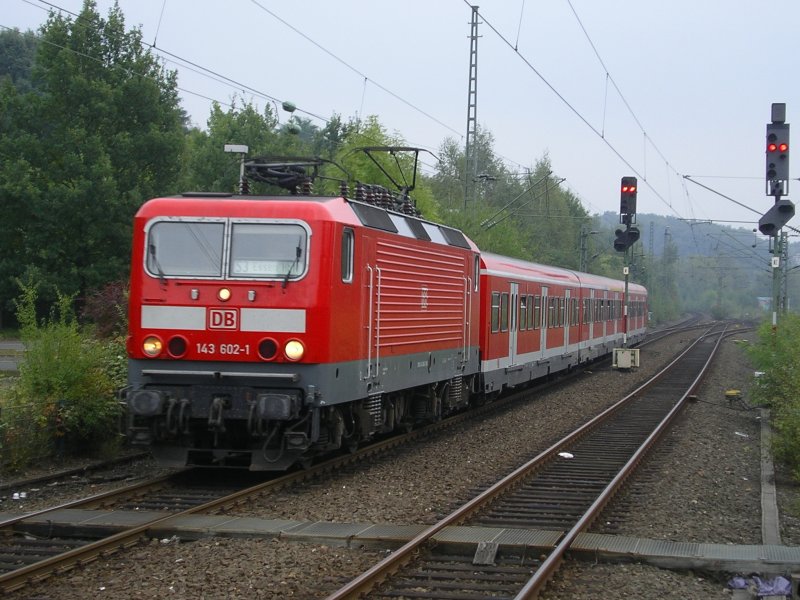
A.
pixel 64 398
pixel 777 355
pixel 107 309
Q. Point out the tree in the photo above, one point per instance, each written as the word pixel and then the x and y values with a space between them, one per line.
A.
pixel 17 55
pixel 101 133
pixel 206 167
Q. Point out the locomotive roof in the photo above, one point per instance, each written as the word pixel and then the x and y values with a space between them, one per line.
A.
pixel 333 208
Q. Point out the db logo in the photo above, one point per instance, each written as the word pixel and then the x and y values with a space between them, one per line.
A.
pixel 223 318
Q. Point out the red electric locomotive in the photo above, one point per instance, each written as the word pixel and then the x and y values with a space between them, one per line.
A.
pixel 266 330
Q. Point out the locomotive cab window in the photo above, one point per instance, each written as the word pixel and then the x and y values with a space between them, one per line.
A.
pixel 185 249
pixel 269 250
pixel 347 255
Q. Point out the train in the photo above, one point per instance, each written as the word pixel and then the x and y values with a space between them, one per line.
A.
pixel 265 331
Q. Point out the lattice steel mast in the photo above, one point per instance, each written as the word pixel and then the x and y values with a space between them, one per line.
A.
pixel 470 155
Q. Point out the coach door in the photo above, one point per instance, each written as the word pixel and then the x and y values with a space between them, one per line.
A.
pixel 567 318
pixel 513 308
pixel 543 323
pixel 371 311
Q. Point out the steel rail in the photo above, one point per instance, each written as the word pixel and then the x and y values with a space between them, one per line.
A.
pixel 379 572
pixel 551 564
pixel 18 578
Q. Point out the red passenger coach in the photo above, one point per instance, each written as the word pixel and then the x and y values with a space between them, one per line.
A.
pixel 537 319
pixel 265 330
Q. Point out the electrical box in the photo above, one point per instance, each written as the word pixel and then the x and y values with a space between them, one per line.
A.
pixel 625 358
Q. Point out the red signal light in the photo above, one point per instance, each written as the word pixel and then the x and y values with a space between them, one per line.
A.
pixel 772 147
pixel 783 147
pixel 628 189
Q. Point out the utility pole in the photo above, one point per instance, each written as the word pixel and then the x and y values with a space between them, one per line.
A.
pixel 470 154
pixel 584 248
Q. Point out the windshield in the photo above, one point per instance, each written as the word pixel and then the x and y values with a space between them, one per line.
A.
pixel 267 250
pixel 181 248
pixel 256 250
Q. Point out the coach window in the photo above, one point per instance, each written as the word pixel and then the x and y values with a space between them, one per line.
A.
pixel 537 312
pixel 551 312
pixel 347 255
pixel 495 312
pixel 504 311
pixel 523 313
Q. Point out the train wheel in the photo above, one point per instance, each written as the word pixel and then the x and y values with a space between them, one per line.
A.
pixel 350 444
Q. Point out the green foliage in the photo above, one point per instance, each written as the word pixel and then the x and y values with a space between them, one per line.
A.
pixel 17 55
pixel 777 355
pixel 64 398
pixel 206 167
pixel 100 132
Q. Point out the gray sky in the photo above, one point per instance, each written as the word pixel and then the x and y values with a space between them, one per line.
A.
pixel 698 76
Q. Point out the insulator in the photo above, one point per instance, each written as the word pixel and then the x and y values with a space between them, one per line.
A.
pixel 344 189
pixel 308 187
pixel 360 192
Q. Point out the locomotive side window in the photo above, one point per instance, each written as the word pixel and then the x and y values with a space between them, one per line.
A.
pixel 495 312
pixel 268 250
pixel 184 248
pixel 347 255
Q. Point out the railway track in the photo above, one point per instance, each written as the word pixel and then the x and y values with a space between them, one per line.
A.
pixel 564 488
pixel 29 553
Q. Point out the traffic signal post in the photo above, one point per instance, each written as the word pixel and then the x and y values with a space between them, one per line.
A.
pixel 777 179
pixel 625 238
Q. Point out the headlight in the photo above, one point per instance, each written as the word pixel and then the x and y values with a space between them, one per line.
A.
pixel 294 350
pixel 224 294
pixel 152 346
pixel 177 346
pixel 267 349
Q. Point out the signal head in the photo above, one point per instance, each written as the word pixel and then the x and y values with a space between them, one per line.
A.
pixel 777 158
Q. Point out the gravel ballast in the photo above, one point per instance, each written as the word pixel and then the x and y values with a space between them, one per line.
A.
pixel 703 485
